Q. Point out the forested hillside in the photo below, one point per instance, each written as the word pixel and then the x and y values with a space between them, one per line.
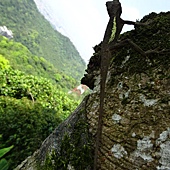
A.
pixel 32 101
pixel 30 107
pixel 22 59
pixel 37 67
pixel 35 32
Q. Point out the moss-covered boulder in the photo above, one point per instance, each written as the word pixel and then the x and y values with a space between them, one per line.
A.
pixel 136 122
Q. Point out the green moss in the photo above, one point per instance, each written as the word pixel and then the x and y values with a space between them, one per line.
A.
pixel 125 101
pixel 141 36
pixel 75 150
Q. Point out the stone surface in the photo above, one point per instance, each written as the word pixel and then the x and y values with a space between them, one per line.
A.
pixel 136 121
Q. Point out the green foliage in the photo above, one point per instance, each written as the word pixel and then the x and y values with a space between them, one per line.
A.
pixel 36 33
pixel 31 101
pixel 75 150
pixel 4 165
pixel 25 125
pixel 4 64
pixel 4 151
pixel 30 108
pixel 21 58
pixel 16 84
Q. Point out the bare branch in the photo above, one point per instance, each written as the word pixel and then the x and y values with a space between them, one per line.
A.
pixel 157 52
pixel 137 23
pixel 125 42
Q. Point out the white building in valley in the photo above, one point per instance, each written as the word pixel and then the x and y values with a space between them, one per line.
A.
pixel 79 90
pixel 6 32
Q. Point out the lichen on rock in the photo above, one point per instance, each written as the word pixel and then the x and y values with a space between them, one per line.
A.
pixel 137 101
pixel 136 118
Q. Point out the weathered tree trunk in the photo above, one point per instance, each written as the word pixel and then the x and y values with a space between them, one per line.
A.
pixel 136 122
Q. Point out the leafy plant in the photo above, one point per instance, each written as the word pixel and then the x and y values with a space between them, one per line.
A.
pixel 4 63
pixel 16 84
pixel 30 108
pixel 25 125
pixel 4 165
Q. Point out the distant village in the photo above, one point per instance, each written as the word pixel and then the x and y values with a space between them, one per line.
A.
pixel 4 31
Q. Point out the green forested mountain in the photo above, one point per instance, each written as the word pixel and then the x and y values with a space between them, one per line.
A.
pixel 35 32
pixel 22 59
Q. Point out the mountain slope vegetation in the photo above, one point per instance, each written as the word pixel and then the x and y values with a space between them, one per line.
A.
pixel 21 58
pixel 35 32
pixel 36 68
pixel 30 108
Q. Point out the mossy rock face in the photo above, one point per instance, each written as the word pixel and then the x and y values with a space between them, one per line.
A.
pixel 135 122
pixel 154 36
pixel 136 118
pixel 69 146
pixel 137 103
pixel 75 147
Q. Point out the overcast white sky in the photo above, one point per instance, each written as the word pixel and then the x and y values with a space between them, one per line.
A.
pixel 85 21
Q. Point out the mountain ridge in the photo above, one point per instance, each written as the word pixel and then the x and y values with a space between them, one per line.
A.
pixel 52 18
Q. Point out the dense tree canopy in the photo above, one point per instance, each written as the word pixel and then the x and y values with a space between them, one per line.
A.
pixel 30 108
pixel 19 57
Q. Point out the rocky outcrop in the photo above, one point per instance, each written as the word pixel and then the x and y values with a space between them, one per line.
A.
pixel 136 122
pixel 6 32
pixel 69 145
